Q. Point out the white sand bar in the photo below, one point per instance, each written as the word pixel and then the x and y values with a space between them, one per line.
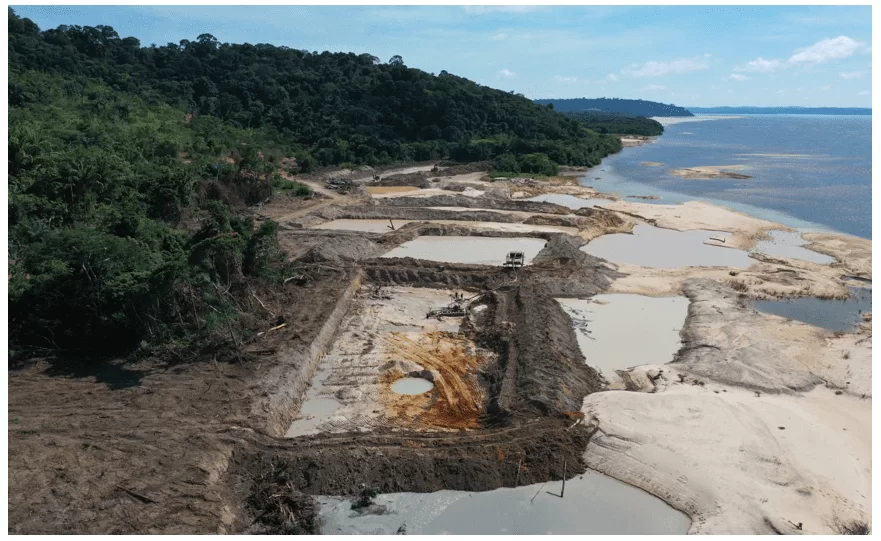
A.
pixel 468 250
pixel 618 331
pixel 651 246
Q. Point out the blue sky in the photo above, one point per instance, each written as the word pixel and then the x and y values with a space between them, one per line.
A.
pixel 687 55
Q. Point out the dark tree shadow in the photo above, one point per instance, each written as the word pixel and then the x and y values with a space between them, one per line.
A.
pixel 110 371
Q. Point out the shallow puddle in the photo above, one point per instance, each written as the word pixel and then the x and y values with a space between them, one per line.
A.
pixel 592 504
pixel 789 244
pixel 651 246
pixel 412 386
pixel 468 250
pixel 315 409
pixel 368 226
pixel 832 315
pixel 618 331
pixel 570 201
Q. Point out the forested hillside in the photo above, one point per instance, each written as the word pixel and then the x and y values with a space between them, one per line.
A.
pixel 128 167
pixel 617 123
pixel 339 107
pixel 616 105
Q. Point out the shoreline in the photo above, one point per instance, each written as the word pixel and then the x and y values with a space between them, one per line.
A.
pixel 644 433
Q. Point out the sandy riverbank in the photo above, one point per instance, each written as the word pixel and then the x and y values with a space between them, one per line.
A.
pixel 711 443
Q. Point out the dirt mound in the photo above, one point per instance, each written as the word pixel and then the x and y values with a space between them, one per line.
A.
pixel 482 202
pixel 345 464
pixel 420 180
pixel 544 369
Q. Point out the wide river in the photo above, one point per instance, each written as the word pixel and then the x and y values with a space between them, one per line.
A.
pixel 812 172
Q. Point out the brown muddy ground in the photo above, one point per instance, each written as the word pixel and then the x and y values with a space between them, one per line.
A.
pixel 154 447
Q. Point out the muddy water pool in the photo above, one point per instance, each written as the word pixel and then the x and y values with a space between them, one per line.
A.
pixel 316 408
pixel 592 504
pixel 832 315
pixel 789 244
pixel 651 246
pixel 617 331
pixel 412 386
pixel 468 250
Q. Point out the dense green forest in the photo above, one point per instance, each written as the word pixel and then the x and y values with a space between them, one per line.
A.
pixel 617 123
pixel 129 167
pixel 616 105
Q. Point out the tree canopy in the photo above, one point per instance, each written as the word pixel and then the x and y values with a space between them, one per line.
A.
pixel 617 123
pixel 129 166
pixel 616 105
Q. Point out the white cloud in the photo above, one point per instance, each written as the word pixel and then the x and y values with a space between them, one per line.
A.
pixel 852 74
pixel 507 74
pixel 611 77
pixel 863 93
pixel 760 65
pixel 653 87
pixel 825 87
pixel 781 92
pixel 655 69
pixel 480 10
pixel 498 37
pixel 737 77
pixel 828 49
pixel 561 79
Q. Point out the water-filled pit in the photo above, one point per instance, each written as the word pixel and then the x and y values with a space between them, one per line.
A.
pixel 412 386
pixel 617 331
pixel 832 315
pixel 651 246
pixel 593 504
pixel 468 250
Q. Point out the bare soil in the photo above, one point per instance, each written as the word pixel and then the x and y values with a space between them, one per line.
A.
pixel 157 447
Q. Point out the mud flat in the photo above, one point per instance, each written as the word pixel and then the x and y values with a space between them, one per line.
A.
pixel 790 244
pixel 468 250
pixel 367 225
pixel 390 189
pixel 831 314
pixel 618 331
pixel 650 246
pixel 570 201
pixel 593 504
pixel 386 342
pixel 709 172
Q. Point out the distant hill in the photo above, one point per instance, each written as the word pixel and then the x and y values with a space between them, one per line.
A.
pixel 616 105
pixel 620 123
pixel 783 110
